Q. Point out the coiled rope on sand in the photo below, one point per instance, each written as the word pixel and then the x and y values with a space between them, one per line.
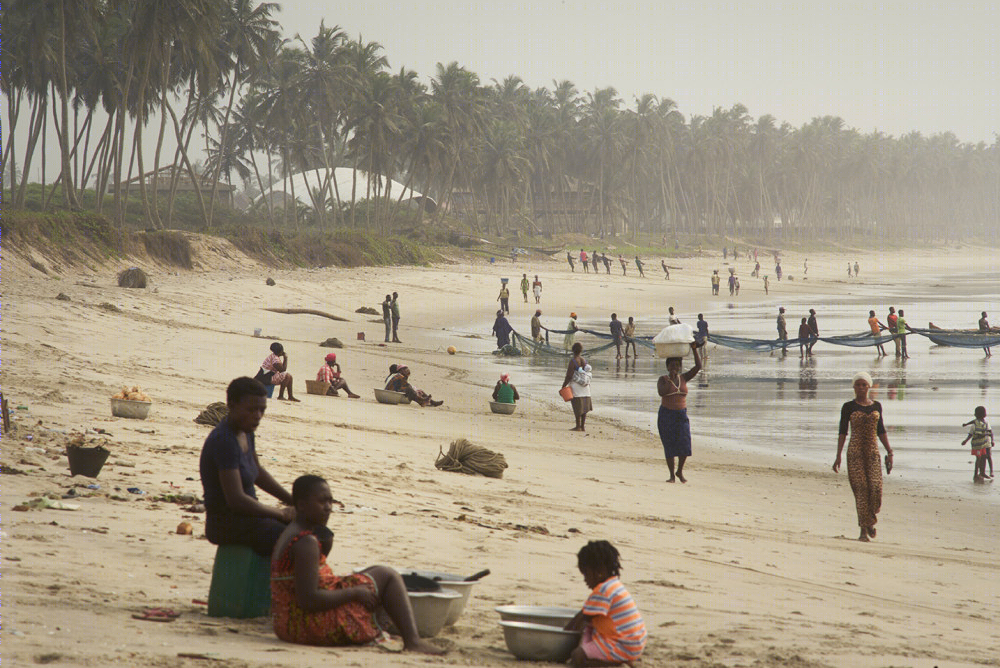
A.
pixel 469 458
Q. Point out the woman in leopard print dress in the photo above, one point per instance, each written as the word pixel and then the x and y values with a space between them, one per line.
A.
pixel 864 470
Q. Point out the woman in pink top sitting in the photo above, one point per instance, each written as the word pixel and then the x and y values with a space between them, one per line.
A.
pixel 673 424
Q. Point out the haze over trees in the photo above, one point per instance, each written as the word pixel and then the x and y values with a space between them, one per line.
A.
pixel 217 77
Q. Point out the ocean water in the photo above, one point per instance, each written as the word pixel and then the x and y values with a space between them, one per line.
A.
pixel 791 406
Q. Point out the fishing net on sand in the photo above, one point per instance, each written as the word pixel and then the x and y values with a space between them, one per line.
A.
pixel 466 457
pixel 213 414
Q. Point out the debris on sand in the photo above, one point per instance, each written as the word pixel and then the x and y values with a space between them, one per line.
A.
pixel 332 342
pixel 133 277
pixel 367 310
pixel 270 281
pixel 63 297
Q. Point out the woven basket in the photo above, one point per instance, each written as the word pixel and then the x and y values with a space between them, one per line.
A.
pixel 317 386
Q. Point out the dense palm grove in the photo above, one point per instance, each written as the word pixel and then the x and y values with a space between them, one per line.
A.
pixel 217 76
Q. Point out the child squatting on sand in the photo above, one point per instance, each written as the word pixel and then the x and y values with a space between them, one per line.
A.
pixel 613 631
pixel 982 442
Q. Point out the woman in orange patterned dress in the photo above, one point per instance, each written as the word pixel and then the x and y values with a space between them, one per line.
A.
pixel 311 605
pixel 864 417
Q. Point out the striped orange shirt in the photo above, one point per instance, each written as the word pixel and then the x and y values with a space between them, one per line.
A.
pixel 618 626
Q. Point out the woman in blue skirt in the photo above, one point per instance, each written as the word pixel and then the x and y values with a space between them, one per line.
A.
pixel 675 430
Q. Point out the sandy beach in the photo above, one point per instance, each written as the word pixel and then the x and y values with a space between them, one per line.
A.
pixel 754 562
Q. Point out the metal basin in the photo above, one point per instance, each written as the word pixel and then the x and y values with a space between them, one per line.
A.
pixel 127 408
pixel 537 614
pixel 431 610
pixel 450 581
pixel 503 409
pixel 389 397
pixel 538 642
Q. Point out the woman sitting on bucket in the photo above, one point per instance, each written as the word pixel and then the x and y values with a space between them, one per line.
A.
pixel 504 392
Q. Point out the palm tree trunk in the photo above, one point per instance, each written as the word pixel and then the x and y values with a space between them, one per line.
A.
pixel 38 108
pixel 222 142
pixel 69 191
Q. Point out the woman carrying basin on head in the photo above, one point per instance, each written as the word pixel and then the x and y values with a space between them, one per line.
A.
pixel 672 421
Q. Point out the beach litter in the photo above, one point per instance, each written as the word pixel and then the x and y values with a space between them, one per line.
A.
pixel 41 502
pixel 332 342
pixel 213 414
pixel 185 529
pixel 466 457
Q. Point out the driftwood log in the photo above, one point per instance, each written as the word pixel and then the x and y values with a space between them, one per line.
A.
pixel 309 311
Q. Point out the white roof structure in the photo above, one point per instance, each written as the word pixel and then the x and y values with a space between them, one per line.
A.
pixel 311 180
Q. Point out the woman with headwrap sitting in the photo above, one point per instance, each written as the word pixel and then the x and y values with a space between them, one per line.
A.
pixel 330 373
pixel 504 392
pixel 399 382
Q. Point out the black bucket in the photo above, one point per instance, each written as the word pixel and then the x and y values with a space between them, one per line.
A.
pixel 86 461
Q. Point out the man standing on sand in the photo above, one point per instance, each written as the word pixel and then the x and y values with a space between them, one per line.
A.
pixel 569 258
pixel 395 318
pixel 536 326
pixel 766 285
pixel 524 287
pixel 630 337
pixel 607 263
pixel 387 316
pixel 701 336
pixel 813 330
pixel 622 260
pixel 504 298
pixel 782 330
pixel 732 284
pixel 901 328
pixel 638 264
pixel 877 328
pixel 856 269
pixel 666 271
pixel 584 261
pixel 715 282
pixel 890 322
pixel 536 287
pixel 593 260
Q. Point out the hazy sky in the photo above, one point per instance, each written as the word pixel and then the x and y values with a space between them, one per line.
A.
pixel 894 66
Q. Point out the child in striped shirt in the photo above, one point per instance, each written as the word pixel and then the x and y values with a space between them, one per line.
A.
pixel 979 434
pixel 613 631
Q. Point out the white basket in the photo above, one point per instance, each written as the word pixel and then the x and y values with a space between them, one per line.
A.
pixel 673 349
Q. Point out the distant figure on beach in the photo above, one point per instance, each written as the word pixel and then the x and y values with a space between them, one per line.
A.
pixel 312 606
pixel 848 269
pixel 856 269
pixel 395 318
pixel 536 288
pixel 630 337
pixel 732 284
pixel 578 377
pixel 671 318
pixel 804 338
pixel 901 328
pixel 570 333
pixel 672 421
pixel 231 471
pixel 617 334
pixel 891 321
pixel 984 327
pixel 569 258
pixel 614 633
pixel 805 266
pixel 606 262
pixel 725 253
pixel 502 330
pixel 536 326
pixel 504 298
pixel 777 270
pixel 330 373
pixel 716 280
pixel 524 287
pixel 876 328
pixel 504 392
pixel 979 433
pixel 666 271
pixel 756 270
pixel 813 330
pixel 387 316
pixel 622 261
pixel 400 382
pixel 701 335
pixel 864 470
pixel 274 371
pixel 585 261
pixel 766 285
pixel 737 286
pixel 782 330
pixel 594 260
pixel 639 265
